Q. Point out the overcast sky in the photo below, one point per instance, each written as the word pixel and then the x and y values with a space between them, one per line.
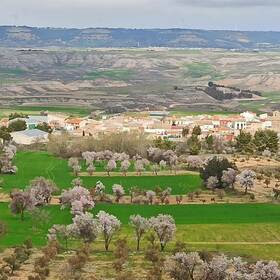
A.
pixel 206 14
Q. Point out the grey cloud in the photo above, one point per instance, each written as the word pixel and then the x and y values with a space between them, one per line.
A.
pixel 206 14
pixel 229 3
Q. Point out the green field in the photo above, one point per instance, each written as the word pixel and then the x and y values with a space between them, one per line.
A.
pixel 245 229
pixel 196 113
pixel 114 74
pixel 250 230
pixel 35 110
pixel 259 106
pixel 33 164
pixel 199 70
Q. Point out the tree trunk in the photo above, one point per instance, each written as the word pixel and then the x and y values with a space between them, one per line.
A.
pixel 138 244
pixel 22 215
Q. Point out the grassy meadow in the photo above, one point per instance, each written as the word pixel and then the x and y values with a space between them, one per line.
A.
pixel 113 74
pixel 34 164
pixel 35 110
pixel 260 106
pixel 251 230
pixel 244 229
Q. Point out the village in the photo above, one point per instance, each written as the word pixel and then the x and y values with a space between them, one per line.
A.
pixel 161 124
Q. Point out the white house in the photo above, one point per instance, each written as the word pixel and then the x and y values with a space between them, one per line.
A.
pixel 27 137
pixel 239 124
pixel 248 116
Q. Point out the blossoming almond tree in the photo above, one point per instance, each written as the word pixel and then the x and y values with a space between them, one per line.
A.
pixel 246 179
pixel 150 195
pixel 139 167
pixel 141 225
pixel 164 227
pixel 41 189
pixel 21 201
pixel 118 192
pixel 76 169
pixel 125 166
pixel 194 162
pixel 109 226
pixel 183 266
pixel 229 177
pixel 212 183
pixel 85 227
pixel 90 169
pixel 111 165
pixel 89 157
pixel 78 198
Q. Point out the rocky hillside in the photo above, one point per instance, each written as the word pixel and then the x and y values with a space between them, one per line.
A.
pixel 23 36
pixel 137 79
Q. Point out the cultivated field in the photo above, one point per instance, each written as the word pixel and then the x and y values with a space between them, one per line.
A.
pixel 35 110
pixel 250 230
pixel 34 164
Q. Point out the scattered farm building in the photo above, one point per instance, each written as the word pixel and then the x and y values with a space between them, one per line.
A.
pixel 29 136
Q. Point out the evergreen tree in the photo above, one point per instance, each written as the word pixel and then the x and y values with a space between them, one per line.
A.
pixel 209 142
pixel 17 125
pixel 266 140
pixel 196 130
pixel 244 142
pixel 194 145
pixel 5 134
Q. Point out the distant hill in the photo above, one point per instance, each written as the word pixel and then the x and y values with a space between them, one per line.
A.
pixel 23 36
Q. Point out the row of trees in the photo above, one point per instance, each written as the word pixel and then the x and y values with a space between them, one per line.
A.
pixel 181 265
pixel 135 144
pixel 66 146
pixel 87 228
pixel 158 160
pixel 184 265
pixel 78 198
